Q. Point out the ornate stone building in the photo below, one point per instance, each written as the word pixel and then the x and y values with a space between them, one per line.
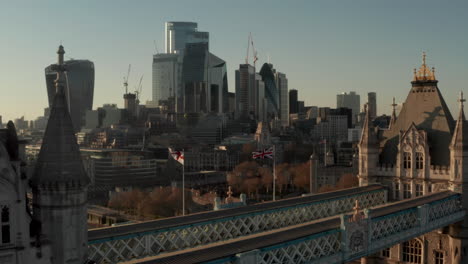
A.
pixel 55 230
pixel 424 150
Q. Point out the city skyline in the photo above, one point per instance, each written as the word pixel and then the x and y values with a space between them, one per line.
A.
pixel 318 48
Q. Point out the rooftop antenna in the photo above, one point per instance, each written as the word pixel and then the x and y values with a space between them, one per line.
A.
pixel 126 79
pixel 155 47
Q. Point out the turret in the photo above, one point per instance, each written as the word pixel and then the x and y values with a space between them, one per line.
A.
pixel 59 184
pixel 368 151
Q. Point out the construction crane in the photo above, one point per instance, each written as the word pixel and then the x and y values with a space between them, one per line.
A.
pixel 250 42
pixel 155 47
pixel 125 83
pixel 138 90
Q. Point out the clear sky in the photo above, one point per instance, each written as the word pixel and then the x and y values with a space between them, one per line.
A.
pixel 324 47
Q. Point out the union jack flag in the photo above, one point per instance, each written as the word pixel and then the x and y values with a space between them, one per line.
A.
pixel 261 154
pixel 177 155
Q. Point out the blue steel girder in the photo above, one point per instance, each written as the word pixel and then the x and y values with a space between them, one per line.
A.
pixel 153 242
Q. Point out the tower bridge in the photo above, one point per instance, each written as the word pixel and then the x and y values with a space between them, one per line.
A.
pixel 336 239
pixel 126 242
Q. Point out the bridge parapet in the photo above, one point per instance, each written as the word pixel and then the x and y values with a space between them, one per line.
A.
pixel 373 230
pixel 224 225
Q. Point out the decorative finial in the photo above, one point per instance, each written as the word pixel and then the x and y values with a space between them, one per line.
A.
pixel 60 68
pixel 424 58
pixel 461 99
pixel 393 104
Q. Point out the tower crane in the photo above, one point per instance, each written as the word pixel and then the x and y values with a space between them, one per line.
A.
pixel 138 90
pixel 125 83
pixel 249 43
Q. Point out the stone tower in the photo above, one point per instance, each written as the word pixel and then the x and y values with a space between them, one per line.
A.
pixel 368 151
pixel 59 184
pixel 459 183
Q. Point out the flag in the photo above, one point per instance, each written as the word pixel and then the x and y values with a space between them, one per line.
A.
pixel 177 155
pixel 261 154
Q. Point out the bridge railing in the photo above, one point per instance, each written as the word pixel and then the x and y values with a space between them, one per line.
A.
pixel 361 236
pixel 161 240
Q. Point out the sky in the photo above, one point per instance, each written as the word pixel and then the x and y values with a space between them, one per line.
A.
pixel 324 47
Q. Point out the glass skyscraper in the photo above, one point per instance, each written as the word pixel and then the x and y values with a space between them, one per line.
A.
pixel 165 76
pixel 180 33
pixel 79 90
pixel 271 90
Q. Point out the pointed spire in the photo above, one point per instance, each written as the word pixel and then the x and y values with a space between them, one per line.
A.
pixel 393 117
pixel 458 138
pixel 59 159
pixel 368 137
pixel 424 73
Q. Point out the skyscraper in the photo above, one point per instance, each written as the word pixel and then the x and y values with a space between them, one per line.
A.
pixel 245 91
pixel 349 100
pixel 271 91
pixel 165 76
pixel 372 105
pixel 79 88
pixel 180 33
pixel 195 73
pixel 282 85
pixel 293 104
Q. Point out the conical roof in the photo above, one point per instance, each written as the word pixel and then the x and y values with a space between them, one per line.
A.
pixel 59 159
pixel 426 108
pixel 460 135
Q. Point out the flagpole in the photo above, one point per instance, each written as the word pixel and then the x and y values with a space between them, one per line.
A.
pixel 274 173
pixel 325 154
pixel 183 184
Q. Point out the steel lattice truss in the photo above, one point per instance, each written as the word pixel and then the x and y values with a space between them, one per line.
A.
pixel 374 234
pixel 188 236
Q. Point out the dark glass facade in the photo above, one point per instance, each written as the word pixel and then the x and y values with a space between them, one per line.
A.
pixel 271 91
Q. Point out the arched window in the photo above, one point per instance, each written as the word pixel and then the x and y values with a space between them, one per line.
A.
pixel 419 161
pixel 412 251
pixel 406 160
pixel 5 224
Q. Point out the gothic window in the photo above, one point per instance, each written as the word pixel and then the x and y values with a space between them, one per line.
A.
pixel 406 160
pixel 386 253
pixel 412 251
pixel 5 217
pixel 419 161
pixel 397 191
pixel 419 190
pixel 406 191
pixel 438 257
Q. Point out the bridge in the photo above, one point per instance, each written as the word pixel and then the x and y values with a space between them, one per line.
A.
pixel 126 242
pixel 336 239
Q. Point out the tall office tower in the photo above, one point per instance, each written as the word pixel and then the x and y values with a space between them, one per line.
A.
pixel 260 100
pixel 79 88
pixel 350 100
pixel 271 92
pixel 293 103
pixel 165 77
pixel 245 89
pixel 180 33
pixel 194 72
pixel 282 84
pixel 217 77
pixel 372 105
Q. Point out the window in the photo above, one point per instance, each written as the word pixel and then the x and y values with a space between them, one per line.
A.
pixel 438 257
pixel 429 187
pixel 5 225
pixel 397 191
pixel 406 160
pixel 406 191
pixel 419 190
pixel 412 251
pixel 419 161
pixel 386 253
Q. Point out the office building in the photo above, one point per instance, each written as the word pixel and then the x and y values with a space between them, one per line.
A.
pixel 245 91
pixel 282 85
pixel 293 103
pixel 79 88
pixel 350 100
pixel 166 77
pixel 271 91
pixel 260 100
pixel 372 105
pixel 180 33
pixel 217 77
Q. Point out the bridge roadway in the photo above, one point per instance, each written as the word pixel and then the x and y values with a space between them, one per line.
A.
pixel 126 242
pixel 336 239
